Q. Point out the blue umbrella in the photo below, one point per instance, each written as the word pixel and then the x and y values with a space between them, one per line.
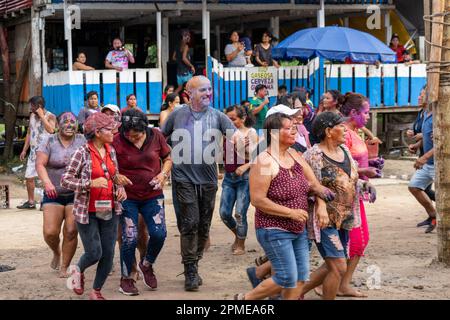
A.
pixel 334 43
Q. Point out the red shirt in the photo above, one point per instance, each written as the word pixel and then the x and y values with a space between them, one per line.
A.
pixel 141 165
pixel 400 51
pixel 98 172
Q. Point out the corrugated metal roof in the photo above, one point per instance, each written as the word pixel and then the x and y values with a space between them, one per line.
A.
pixel 7 6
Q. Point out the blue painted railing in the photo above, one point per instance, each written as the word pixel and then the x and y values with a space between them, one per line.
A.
pixel 66 90
pixel 389 85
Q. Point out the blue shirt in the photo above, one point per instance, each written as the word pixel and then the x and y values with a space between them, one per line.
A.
pixel 427 131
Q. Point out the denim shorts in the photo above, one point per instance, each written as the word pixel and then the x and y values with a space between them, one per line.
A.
pixel 289 254
pixel 333 243
pixel 61 199
pixel 423 177
pixel 182 78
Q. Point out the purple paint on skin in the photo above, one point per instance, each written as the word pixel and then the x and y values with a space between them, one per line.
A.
pixel 67 121
pixel 362 116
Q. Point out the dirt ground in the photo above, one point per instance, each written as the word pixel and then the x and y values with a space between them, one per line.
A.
pixel 402 255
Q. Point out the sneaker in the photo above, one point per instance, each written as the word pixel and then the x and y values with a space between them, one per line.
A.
pixel 127 287
pixel 96 295
pixel 432 226
pixel 27 205
pixel 75 280
pixel 424 223
pixel 251 273
pixel 148 276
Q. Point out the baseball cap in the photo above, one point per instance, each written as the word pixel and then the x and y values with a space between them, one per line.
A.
pixel 326 120
pixel 281 108
pixel 112 107
pixel 98 121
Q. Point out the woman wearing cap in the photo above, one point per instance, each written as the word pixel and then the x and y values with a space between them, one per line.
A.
pixel 93 175
pixel 335 168
pixel 131 103
pixel 263 51
pixel 280 182
pixel 113 111
pixel 52 156
pixel 140 152
pixel 235 190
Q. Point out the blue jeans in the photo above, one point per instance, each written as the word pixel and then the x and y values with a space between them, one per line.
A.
pixel 289 254
pixel 99 240
pixel 423 177
pixel 153 213
pixel 333 243
pixel 235 190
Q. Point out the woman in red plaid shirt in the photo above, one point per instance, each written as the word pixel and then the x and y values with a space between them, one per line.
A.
pixel 93 174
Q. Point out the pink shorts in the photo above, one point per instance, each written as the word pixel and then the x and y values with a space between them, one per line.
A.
pixel 359 237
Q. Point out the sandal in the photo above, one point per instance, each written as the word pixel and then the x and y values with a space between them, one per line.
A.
pixel 261 260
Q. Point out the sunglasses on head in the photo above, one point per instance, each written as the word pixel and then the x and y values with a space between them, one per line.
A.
pixel 134 120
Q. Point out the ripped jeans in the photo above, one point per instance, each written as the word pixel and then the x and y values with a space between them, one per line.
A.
pixel 235 190
pixel 152 211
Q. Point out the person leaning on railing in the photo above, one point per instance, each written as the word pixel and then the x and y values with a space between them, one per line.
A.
pixel 80 63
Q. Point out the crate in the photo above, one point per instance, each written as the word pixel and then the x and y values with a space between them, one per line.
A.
pixel 4 196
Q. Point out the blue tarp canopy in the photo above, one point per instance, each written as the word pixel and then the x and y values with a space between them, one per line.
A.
pixel 334 43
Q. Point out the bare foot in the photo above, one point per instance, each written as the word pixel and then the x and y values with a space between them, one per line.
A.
pixel 235 244
pixel 56 262
pixel 63 273
pixel 238 251
pixel 350 292
pixel 319 291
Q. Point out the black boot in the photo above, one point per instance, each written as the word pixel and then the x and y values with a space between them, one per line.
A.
pixel 191 277
pixel 200 280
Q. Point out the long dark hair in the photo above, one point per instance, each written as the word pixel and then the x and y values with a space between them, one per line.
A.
pixel 242 113
pixel 169 99
pixel 338 97
pixel 352 101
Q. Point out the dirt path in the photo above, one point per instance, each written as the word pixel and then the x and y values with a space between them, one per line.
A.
pixel 402 253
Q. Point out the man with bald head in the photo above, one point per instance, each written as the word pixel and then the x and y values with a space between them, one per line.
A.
pixel 196 132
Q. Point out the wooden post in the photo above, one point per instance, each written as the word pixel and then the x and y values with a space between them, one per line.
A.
pixel 427 12
pixel 435 53
pixel 441 123
pixel 36 70
pixel 165 49
pixel 7 152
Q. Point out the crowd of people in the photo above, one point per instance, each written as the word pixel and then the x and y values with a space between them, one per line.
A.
pixel 305 169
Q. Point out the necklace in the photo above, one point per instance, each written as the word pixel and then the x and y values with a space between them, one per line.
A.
pixel 198 117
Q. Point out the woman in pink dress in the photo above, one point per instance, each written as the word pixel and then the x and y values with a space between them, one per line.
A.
pixel 356 107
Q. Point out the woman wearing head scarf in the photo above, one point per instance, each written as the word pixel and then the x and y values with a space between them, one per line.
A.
pixel 93 175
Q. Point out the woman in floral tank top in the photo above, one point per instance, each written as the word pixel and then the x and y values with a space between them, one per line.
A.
pixel 335 168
